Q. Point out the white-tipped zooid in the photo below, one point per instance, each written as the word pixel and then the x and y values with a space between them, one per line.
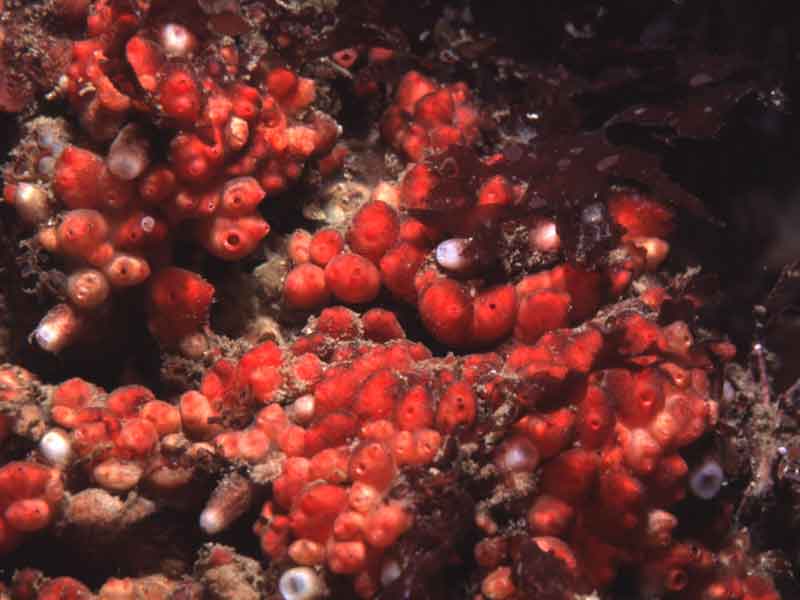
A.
pixel 301 583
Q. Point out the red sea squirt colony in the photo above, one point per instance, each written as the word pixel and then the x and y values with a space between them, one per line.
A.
pixel 564 430
pixel 350 410
pixel 231 146
pixel 399 238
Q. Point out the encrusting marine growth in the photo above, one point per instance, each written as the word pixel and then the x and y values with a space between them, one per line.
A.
pixel 230 146
pixel 539 428
pixel 351 410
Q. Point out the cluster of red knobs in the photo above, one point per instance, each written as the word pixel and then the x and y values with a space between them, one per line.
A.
pixel 560 397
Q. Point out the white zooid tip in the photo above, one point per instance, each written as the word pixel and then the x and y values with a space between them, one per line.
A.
pixel 177 40
pixel 212 521
pixel 56 447
pixel 300 583
pixel 31 203
pixel 390 570
pixel 46 336
pixel 544 236
pixel 128 155
pixel 452 254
